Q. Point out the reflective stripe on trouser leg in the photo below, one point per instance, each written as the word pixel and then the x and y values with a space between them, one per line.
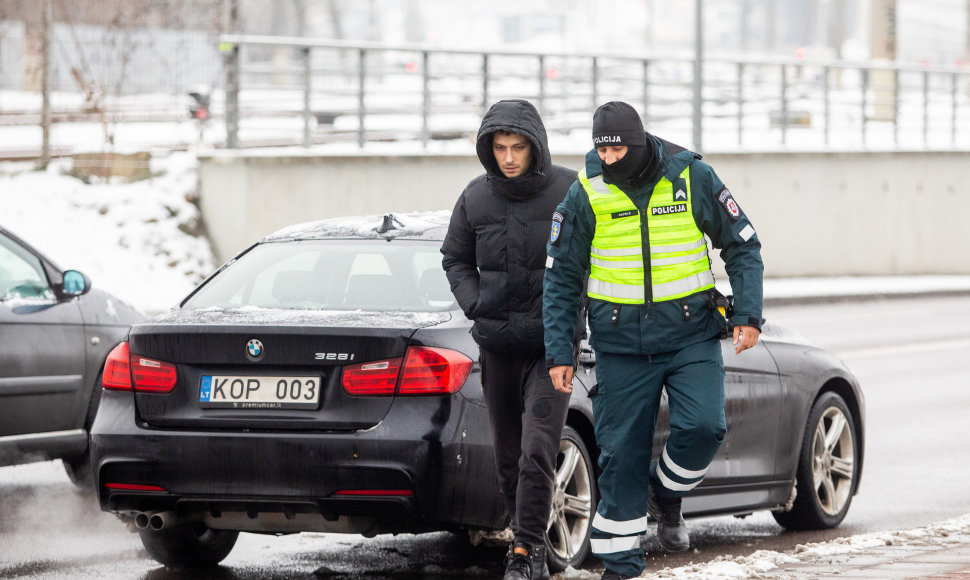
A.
pixel 695 390
pixel 625 411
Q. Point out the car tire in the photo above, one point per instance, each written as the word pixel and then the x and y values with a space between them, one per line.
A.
pixel 827 468
pixel 190 545
pixel 573 504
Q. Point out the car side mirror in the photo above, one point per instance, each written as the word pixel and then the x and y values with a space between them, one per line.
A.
pixel 75 283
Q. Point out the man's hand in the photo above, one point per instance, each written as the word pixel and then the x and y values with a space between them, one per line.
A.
pixel 562 378
pixel 745 337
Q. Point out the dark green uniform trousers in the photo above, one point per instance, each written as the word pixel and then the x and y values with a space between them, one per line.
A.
pixel 625 409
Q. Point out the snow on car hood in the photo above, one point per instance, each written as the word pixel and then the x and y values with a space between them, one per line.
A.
pixel 426 225
pixel 251 315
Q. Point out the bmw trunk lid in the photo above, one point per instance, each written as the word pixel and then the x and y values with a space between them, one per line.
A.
pixel 271 373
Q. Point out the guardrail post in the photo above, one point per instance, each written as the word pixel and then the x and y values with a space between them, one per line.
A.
pixel 485 101
pixel 953 109
pixel 926 108
pixel 865 96
pixel 740 103
pixel 826 104
pixel 784 103
pixel 698 116
pixel 594 81
pixel 230 60
pixel 307 113
pixel 425 98
pixel 361 104
pixel 542 85
pixel 646 91
pixel 896 89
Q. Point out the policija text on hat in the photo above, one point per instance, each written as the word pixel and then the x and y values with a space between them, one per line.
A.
pixel 636 221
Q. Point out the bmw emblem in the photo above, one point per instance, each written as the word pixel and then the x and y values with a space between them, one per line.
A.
pixel 254 348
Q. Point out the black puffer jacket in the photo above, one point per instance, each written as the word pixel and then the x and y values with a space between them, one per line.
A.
pixel 495 249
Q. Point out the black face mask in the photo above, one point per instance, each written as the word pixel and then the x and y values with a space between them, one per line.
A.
pixel 624 170
pixel 639 166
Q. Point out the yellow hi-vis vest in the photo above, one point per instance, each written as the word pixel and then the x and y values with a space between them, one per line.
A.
pixel 673 250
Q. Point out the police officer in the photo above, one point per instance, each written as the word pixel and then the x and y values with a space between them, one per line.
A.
pixel 635 220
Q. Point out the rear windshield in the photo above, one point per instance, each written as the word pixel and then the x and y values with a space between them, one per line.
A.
pixel 401 275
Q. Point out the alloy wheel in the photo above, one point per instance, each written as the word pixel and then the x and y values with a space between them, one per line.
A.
pixel 572 502
pixel 833 460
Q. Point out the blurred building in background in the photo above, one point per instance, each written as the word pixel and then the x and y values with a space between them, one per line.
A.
pixel 128 45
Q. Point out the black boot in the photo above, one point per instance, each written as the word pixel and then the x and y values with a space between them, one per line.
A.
pixel 671 528
pixel 526 567
pixel 540 567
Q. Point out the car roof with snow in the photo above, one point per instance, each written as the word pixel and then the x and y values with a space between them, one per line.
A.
pixel 415 225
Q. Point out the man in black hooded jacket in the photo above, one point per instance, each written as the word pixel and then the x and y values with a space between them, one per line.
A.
pixel 494 256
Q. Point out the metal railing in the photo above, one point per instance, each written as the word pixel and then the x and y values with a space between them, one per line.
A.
pixel 301 91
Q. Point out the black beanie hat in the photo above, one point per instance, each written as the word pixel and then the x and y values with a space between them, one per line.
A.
pixel 617 123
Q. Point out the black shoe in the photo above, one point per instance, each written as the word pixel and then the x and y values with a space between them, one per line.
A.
pixel 611 575
pixel 540 566
pixel 526 567
pixel 671 528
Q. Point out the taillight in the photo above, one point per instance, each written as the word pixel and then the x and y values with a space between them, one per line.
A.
pixel 426 371
pixel 117 371
pixel 122 369
pixel 373 378
pixel 151 375
pixel 433 371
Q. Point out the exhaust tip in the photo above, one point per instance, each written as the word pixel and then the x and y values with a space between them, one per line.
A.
pixel 161 520
pixel 142 520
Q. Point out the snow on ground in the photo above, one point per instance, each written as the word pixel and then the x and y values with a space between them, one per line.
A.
pixel 141 241
pixel 952 532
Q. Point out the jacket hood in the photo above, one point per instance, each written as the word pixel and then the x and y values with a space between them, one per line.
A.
pixel 515 116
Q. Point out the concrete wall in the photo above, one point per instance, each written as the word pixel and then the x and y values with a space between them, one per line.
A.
pixel 817 214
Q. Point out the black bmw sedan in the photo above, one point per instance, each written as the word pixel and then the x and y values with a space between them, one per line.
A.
pixel 325 380
pixel 55 333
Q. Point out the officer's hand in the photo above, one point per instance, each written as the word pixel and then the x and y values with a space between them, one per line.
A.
pixel 745 337
pixel 562 378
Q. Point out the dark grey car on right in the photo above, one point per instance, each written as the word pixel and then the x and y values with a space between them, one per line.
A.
pixel 795 435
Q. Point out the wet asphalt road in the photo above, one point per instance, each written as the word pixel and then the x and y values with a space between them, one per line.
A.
pixel 910 356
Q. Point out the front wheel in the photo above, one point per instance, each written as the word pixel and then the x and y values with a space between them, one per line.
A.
pixel 190 545
pixel 573 504
pixel 827 468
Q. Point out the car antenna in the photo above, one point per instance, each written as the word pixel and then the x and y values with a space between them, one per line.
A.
pixel 388 224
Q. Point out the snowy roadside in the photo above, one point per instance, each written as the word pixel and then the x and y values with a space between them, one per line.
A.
pixel 761 564
pixel 141 241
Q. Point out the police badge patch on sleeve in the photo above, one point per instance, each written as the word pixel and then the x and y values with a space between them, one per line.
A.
pixel 729 205
pixel 557 219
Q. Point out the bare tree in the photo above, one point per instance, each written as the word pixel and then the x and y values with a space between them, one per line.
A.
pixel 45 123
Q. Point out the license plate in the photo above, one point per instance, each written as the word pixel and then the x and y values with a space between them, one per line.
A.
pixel 247 392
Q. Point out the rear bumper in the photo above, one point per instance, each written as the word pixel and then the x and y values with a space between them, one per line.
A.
pixel 410 473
